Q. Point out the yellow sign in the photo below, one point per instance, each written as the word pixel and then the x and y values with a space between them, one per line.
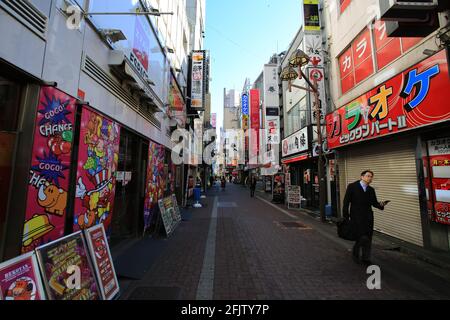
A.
pixel 311 14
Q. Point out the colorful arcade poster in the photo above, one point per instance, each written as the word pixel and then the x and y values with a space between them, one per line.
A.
pixel 50 167
pixel 66 269
pixel 102 260
pixel 20 279
pixel 98 157
pixel 156 181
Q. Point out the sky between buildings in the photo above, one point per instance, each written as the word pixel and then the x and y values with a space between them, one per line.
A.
pixel 242 35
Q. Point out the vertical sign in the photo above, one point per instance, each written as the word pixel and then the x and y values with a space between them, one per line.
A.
pixel 98 157
pixel 439 152
pixel 197 80
pixel 311 13
pixel 245 111
pixel 50 167
pixel 155 181
pixel 316 75
pixel 254 125
pixel 103 262
pixel 214 120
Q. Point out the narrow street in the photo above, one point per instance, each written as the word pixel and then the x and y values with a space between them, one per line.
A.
pixel 255 256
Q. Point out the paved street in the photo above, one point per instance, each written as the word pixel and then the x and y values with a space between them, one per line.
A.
pixel 237 247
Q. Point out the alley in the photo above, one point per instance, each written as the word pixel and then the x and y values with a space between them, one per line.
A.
pixel 256 254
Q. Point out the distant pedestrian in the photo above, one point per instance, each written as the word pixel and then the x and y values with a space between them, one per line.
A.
pixel 361 197
pixel 223 183
pixel 252 186
pixel 211 181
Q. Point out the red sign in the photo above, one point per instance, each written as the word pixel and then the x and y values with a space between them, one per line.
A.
pixel 20 279
pixel 254 121
pixel 103 262
pixel 48 184
pixel 438 189
pixel 414 98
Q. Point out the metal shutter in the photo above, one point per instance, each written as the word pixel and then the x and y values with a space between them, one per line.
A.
pixel 395 179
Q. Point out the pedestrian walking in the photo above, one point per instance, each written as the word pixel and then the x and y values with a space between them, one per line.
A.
pixel 252 186
pixel 211 181
pixel 360 197
pixel 223 183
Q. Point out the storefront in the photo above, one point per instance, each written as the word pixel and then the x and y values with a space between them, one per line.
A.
pixel 391 130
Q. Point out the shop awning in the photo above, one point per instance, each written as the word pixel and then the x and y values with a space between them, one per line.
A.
pixel 296 158
pixel 123 67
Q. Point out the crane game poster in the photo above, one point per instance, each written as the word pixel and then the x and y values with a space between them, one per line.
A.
pixel 98 158
pixel 156 181
pixel 50 169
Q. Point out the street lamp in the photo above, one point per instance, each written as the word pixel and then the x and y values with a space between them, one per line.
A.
pixel 300 59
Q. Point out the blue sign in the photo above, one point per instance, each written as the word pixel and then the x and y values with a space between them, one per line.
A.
pixel 245 110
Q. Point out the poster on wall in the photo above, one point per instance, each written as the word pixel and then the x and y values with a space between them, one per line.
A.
pixel 156 180
pixel 98 157
pixel 61 263
pixel 103 263
pixel 48 183
pixel 439 162
pixel 20 279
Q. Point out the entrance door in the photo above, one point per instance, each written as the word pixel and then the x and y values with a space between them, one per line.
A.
pixel 127 219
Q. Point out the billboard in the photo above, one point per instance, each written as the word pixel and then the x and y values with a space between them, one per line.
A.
pixel 254 125
pixel 198 80
pixel 414 98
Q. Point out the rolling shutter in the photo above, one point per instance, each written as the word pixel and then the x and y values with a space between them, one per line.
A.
pixel 395 179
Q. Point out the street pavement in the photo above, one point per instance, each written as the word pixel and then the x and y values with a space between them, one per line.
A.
pixel 239 248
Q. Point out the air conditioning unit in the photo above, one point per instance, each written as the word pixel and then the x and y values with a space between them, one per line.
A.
pixel 408 11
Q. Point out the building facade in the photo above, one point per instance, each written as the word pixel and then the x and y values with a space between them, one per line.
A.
pixel 89 107
pixel 391 115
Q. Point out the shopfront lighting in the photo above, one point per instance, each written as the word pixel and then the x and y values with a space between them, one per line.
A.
pixel 288 74
pixel 299 59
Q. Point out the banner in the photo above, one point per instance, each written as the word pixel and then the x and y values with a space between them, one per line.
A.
pixel 45 214
pixel 98 157
pixel 176 102
pixel 414 98
pixel 102 260
pixel 20 279
pixel 155 185
pixel 61 262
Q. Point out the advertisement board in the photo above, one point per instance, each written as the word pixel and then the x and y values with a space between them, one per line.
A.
pixel 170 214
pixel 102 261
pixel 61 262
pixel 49 178
pixel 98 157
pixel 20 279
pixel 198 80
pixel 295 143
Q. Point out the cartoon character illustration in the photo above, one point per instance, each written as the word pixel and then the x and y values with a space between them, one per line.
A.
pixel 22 289
pixel 96 201
pixel 53 199
pixel 100 248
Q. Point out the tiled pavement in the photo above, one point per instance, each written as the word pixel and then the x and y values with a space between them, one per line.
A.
pixel 256 258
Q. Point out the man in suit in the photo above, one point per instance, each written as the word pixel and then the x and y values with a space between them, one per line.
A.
pixel 362 197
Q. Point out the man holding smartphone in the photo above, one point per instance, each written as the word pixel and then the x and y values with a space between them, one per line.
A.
pixel 361 197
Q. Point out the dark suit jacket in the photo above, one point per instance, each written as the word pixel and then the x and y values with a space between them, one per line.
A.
pixel 360 203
